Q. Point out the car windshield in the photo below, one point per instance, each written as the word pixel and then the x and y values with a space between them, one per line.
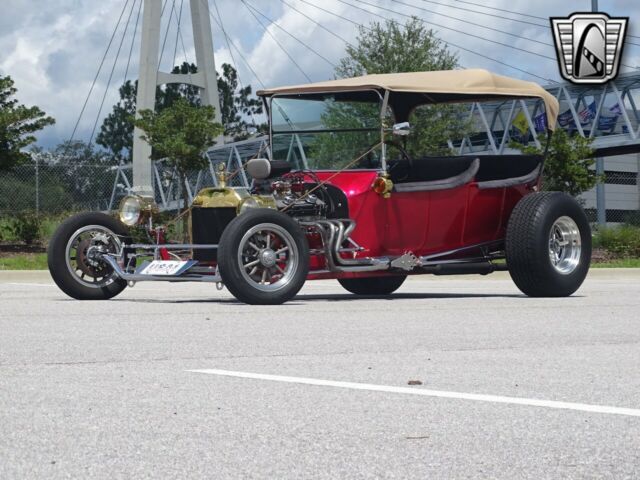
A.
pixel 326 131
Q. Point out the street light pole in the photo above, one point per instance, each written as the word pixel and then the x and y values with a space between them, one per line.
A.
pixel 601 206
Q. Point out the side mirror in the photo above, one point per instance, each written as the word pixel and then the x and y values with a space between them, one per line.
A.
pixel 259 168
pixel 401 129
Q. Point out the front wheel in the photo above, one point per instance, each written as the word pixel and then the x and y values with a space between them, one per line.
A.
pixel 263 257
pixel 373 285
pixel 73 256
pixel 548 245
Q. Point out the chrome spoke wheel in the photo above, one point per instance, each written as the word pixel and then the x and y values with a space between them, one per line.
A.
pixel 565 245
pixel 82 255
pixel 268 257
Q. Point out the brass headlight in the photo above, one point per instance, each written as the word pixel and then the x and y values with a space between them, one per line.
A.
pixel 134 209
pixel 247 204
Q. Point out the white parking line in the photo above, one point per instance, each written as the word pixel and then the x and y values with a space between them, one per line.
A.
pixel 530 402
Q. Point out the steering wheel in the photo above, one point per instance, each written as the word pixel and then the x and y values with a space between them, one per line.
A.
pixel 368 161
pixel 403 152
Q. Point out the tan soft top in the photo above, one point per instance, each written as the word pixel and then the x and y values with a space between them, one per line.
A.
pixel 458 82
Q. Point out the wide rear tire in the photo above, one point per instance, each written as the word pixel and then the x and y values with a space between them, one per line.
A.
pixel 548 245
pixel 373 285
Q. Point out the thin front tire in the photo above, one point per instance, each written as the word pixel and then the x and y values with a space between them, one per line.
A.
pixel 73 256
pixel 263 257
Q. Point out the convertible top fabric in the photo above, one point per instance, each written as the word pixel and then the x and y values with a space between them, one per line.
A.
pixel 472 82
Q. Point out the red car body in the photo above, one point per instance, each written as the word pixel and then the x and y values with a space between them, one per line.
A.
pixel 424 223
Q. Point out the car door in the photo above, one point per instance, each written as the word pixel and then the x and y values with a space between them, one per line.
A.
pixel 427 209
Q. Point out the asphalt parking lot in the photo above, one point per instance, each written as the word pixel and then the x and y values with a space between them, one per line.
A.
pixel 107 389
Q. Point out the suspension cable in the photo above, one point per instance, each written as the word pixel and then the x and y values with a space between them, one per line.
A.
pixel 479 37
pixel 501 9
pixel 317 23
pixel 179 21
pixel 460 47
pixel 113 68
pixel 184 50
pixel 493 15
pixel 166 33
pixel 235 64
pixel 273 22
pixel 472 23
pixel 267 31
pixel 238 51
pixel 466 33
pixel 95 79
pixel 133 41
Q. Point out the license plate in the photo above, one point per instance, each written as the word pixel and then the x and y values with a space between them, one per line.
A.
pixel 166 267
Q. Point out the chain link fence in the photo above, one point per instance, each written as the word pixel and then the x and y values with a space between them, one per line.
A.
pixel 55 189
pixel 619 193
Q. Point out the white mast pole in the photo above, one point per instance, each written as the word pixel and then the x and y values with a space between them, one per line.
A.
pixel 150 77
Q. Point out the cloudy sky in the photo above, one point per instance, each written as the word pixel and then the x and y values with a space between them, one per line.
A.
pixel 53 48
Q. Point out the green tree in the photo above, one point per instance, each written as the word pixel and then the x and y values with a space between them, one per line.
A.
pixel 335 149
pixel 236 104
pixel 433 125
pixel 390 47
pixel 569 162
pixel 116 132
pixel 181 134
pixel 18 124
pixel 167 95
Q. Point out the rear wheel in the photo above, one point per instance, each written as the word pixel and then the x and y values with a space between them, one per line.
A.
pixel 548 245
pixel 373 285
pixel 73 258
pixel 263 257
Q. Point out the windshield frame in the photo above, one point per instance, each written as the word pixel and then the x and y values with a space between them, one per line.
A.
pixel 384 101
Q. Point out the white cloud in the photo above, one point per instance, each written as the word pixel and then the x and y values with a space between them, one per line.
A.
pixel 52 48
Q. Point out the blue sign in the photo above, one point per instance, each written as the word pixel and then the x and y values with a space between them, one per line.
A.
pixel 565 119
pixel 540 122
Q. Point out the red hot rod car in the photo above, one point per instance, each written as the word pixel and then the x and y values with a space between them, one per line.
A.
pixel 368 180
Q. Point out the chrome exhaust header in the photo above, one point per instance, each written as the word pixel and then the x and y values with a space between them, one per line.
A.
pixel 333 234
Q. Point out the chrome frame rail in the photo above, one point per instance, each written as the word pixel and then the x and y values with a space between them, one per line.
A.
pixel 138 277
pixel 333 234
pixel 173 246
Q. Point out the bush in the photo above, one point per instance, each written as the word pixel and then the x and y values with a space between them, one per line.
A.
pixel 18 191
pixel 632 218
pixel 26 227
pixel 622 241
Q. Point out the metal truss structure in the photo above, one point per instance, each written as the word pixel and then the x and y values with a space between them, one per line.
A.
pixel 166 181
pixel 607 113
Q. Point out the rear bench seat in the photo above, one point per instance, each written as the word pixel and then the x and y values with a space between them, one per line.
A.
pixel 507 170
pixel 439 173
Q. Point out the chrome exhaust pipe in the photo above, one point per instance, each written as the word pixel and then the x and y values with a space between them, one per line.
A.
pixel 332 233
